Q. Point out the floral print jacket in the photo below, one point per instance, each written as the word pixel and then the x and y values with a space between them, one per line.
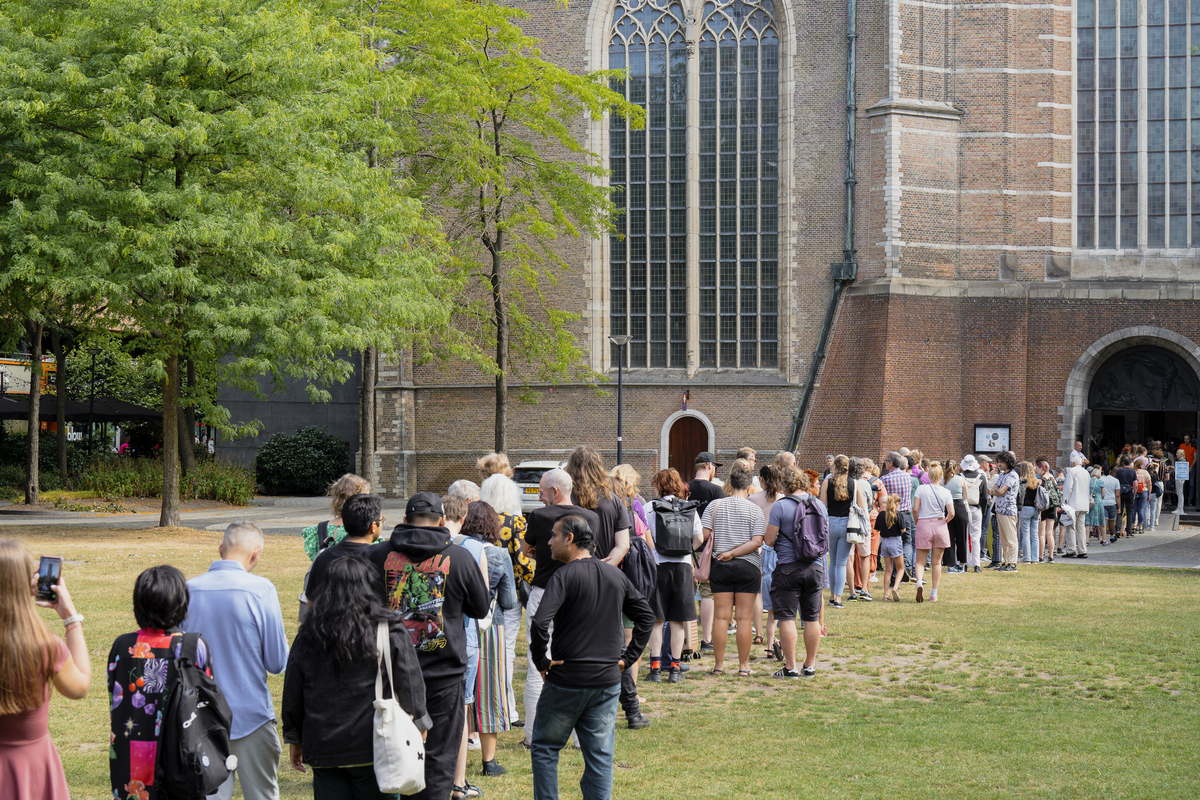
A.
pixel 141 672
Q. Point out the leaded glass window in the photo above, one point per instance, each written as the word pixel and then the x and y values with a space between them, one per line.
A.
pixel 736 66
pixel 648 270
pixel 1112 194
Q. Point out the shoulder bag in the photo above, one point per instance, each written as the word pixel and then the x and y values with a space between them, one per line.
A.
pixel 323 540
pixel 399 750
pixel 704 566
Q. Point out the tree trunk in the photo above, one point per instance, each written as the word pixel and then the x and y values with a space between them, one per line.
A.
pixel 189 413
pixel 170 449
pixel 34 329
pixel 366 423
pixel 60 401
pixel 501 346
pixel 187 457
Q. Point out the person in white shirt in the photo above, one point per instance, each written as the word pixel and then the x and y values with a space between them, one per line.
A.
pixel 933 507
pixel 1077 495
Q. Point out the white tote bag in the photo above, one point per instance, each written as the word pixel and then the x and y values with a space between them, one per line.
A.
pixel 399 750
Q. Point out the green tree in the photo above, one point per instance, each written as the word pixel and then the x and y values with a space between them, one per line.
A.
pixel 494 144
pixel 209 159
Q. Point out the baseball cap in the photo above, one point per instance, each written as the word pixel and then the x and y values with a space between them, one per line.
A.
pixel 424 503
pixel 707 458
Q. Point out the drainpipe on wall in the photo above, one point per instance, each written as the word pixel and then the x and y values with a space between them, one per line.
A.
pixel 844 271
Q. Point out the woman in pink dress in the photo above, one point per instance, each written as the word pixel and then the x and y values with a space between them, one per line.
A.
pixel 31 659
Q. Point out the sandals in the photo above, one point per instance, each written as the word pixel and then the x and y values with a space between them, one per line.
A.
pixel 759 640
pixel 745 673
pixel 777 650
pixel 715 671
pixel 462 792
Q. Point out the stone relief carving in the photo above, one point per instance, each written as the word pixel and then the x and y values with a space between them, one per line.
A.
pixel 1144 379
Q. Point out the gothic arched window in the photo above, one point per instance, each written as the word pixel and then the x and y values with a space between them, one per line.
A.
pixel 734 175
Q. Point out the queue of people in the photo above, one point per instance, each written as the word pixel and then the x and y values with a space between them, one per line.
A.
pixel 440 598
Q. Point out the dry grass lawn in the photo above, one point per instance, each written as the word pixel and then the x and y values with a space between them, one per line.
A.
pixel 1059 681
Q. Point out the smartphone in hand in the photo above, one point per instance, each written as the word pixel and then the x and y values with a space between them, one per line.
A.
pixel 48 571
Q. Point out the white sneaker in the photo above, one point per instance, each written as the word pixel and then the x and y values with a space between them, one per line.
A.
pixel 874 579
pixel 473 744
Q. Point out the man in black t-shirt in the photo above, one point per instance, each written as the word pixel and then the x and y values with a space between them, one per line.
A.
pixel 1126 476
pixel 584 602
pixel 362 516
pixel 555 492
pixel 701 489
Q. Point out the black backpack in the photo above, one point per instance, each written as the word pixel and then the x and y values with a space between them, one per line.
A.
pixel 674 522
pixel 193 755
pixel 640 568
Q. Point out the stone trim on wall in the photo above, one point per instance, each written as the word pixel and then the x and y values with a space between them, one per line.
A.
pixel 1079 382
pixel 1037 290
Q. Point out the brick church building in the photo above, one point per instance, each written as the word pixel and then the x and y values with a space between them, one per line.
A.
pixel 1018 263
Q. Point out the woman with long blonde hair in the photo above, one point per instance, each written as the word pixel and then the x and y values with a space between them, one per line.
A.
pixel 933 508
pixel 891 525
pixel 1028 532
pixel 838 493
pixel 627 483
pixel 32 659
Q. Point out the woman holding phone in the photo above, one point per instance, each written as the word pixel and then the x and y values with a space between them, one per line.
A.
pixel 31 660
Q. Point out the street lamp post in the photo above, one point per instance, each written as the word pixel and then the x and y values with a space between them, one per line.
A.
pixel 621 342
pixel 92 400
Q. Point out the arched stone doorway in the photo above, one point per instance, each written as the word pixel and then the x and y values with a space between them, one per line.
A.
pixel 1139 382
pixel 684 435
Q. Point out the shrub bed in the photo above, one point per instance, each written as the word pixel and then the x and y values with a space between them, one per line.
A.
pixel 302 463
pixel 114 478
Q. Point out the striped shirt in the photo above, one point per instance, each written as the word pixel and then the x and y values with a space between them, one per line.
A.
pixel 737 522
pixel 898 482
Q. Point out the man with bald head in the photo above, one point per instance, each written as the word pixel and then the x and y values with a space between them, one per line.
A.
pixel 238 614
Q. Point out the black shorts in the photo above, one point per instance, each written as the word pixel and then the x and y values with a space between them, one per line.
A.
pixel 1049 513
pixel 738 576
pixel 675 594
pixel 797 585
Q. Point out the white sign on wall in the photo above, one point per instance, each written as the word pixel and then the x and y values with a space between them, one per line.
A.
pixel 991 438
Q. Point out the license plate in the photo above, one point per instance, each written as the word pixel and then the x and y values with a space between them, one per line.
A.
pixel 531 490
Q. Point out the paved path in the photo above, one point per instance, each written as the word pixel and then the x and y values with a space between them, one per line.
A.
pixel 1159 548
pixel 285 516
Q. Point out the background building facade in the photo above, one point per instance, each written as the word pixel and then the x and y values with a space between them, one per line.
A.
pixel 1023 235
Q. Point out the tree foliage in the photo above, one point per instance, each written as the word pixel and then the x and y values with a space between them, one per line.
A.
pixel 202 166
pixel 496 139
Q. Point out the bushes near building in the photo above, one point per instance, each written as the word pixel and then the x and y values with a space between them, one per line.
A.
pixel 302 463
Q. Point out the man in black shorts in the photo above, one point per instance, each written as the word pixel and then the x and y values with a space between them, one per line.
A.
pixel 796 584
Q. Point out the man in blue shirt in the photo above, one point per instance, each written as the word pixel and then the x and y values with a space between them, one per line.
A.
pixel 239 616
